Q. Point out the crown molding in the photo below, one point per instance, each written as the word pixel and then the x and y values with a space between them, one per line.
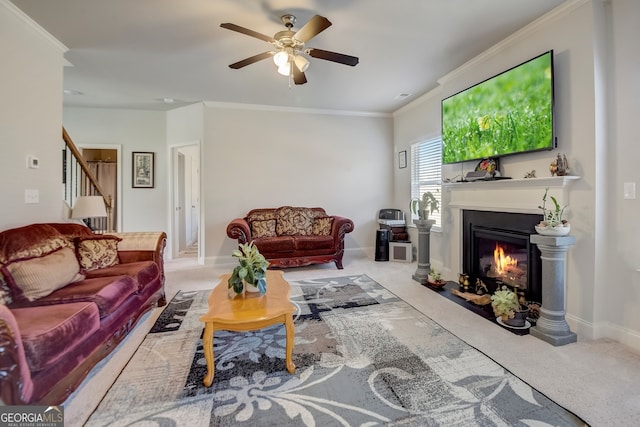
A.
pixel 13 9
pixel 281 109
pixel 523 33
pixel 433 93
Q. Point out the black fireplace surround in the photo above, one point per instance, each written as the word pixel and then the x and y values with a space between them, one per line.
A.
pixel 484 231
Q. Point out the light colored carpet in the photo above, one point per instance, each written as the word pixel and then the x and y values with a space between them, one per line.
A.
pixel 363 357
pixel 597 379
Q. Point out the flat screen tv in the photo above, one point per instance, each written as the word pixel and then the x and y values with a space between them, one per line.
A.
pixel 507 114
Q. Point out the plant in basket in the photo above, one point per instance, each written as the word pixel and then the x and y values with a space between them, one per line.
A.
pixel 251 271
pixel 506 305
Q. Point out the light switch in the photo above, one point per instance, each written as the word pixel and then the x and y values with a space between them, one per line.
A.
pixel 629 190
pixel 31 196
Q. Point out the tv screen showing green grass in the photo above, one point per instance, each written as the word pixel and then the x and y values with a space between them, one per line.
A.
pixel 507 114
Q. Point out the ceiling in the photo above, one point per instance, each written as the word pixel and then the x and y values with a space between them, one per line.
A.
pixel 135 54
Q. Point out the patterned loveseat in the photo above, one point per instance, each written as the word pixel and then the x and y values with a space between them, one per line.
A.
pixel 293 236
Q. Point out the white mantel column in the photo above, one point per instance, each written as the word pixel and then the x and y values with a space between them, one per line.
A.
pixel 552 326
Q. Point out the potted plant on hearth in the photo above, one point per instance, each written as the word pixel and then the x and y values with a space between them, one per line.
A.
pixel 251 273
pixel 507 307
pixel 553 223
pixel 424 206
pixel 435 278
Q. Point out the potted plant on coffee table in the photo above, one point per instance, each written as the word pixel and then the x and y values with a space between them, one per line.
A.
pixel 507 307
pixel 251 272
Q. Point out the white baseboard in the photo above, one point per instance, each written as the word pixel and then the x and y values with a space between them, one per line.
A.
pixel 599 330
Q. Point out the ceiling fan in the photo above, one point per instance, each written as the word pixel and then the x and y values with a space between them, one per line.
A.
pixel 290 51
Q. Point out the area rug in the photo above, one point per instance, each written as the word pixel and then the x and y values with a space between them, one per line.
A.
pixel 363 357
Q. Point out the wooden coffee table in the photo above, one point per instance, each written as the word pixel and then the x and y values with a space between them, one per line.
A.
pixel 247 313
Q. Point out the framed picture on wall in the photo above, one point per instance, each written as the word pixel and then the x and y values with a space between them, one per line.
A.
pixel 402 159
pixel 143 170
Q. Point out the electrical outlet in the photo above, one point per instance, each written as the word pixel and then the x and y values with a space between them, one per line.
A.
pixel 31 196
pixel 629 190
pixel 33 162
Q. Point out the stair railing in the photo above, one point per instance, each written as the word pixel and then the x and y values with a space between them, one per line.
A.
pixel 79 180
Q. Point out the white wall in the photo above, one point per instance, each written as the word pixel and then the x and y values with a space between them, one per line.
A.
pixel 259 158
pixel 143 209
pixel 30 119
pixel 618 308
pixel 596 97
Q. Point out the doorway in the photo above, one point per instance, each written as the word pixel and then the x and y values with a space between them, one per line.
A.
pixel 186 230
pixel 105 163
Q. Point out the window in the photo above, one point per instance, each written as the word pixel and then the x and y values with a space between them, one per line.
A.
pixel 426 173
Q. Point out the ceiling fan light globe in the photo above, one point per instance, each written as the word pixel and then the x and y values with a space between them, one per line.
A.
pixel 281 58
pixel 285 69
pixel 302 63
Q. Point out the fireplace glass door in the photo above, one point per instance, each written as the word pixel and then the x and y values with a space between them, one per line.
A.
pixel 503 258
pixel 497 250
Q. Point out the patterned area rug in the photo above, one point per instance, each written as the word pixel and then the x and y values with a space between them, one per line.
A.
pixel 363 357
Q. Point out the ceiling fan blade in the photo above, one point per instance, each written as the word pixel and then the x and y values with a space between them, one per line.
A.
pixel 298 76
pixel 312 28
pixel 248 32
pixel 333 56
pixel 251 60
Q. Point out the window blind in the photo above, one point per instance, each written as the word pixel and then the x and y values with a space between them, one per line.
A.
pixel 426 173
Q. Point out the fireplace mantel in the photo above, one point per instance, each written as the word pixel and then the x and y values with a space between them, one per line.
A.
pixel 552 181
pixel 506 195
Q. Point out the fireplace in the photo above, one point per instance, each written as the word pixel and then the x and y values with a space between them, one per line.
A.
pixel 497 250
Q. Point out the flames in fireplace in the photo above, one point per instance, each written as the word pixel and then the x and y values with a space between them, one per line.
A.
pixel 503 264
pixel 507 267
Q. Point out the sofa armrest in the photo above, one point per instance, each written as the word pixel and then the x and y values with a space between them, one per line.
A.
pixel 340 227
pixel 239 229
pixel 15 377
pixel 142 246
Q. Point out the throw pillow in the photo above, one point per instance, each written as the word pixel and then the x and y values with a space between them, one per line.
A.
pixel 322 226
pixel 5 293
pixel 294 221
pixel 261 215
pixel 96 252
pixel 264 228
pixel 38 277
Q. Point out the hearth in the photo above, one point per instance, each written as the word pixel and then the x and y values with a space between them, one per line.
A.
pixel 496 249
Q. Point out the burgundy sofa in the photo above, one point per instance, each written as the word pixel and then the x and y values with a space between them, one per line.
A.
pixel 67 298
pixel 293 236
